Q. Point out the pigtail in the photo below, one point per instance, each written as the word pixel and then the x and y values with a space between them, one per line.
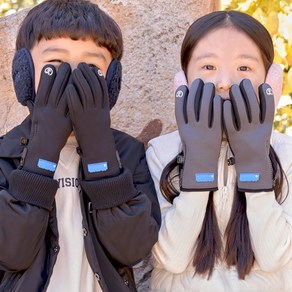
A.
pixel 167 187
pixel 209 245
pixel 238 250
pixel 278 175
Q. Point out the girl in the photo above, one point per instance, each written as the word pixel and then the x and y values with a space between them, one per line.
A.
pixel 225 181
pixel 78 208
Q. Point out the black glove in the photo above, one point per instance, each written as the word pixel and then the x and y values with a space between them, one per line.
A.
pixel 198 115
pixel 248 125
pixel 88 104
pixel 51 125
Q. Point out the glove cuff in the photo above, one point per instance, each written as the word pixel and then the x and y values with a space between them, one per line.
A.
pixel 110 192
pixel 106 162
pixel 255 175
pixel 255 181
pixel 37 165
pixel 194 180
pixel 33 188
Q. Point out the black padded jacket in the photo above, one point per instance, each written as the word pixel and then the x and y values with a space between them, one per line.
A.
pixel 121 218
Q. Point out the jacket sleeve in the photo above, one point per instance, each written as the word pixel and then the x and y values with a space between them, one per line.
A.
pixel 127 214
pixel 25 201
pixel 270 221
pixel 181 221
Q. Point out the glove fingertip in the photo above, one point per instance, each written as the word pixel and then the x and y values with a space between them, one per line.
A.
pixel 60 83
pixel 218 105
pixel 181 91
pixel 73 100
pixel 65 69
pixel 47 77
pixel 218 99
pixel 180 104
pixel 82 66
pixel 196 90
pixel 76 74
pixel 49 70
pixel 238 106
pixel 103 84
pixel 71 93
pixel 229 122
pixel 227 106
pixel 267 102
pixel 206 103
pixel 196 84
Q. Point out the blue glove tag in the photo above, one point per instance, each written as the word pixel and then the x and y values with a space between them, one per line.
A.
pixel 47 165
pixel 97 167
pixel 248 177
pixel 204 177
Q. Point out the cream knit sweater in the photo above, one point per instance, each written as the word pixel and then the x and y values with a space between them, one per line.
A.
pixel 270 226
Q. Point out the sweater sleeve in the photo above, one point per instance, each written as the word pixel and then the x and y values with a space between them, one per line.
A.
pixel 181 222
pixel 270 222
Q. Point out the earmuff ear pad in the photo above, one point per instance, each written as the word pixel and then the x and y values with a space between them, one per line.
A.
pixel 23 77
pixel 275 79
pixel 114 79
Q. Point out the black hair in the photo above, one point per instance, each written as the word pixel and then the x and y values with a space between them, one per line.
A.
pixel 238 250
pixel 238 20
pixel 76 19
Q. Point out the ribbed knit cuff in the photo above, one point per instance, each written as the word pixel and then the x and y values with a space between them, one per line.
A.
pixel 111 191
pixel 33 188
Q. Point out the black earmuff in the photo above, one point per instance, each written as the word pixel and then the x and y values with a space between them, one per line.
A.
pixel 113 80
pixel 24 84
pixel 23 77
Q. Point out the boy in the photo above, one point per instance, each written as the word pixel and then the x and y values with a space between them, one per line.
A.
pixel 77 205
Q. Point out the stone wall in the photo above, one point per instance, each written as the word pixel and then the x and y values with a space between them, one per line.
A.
pixel 153 31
